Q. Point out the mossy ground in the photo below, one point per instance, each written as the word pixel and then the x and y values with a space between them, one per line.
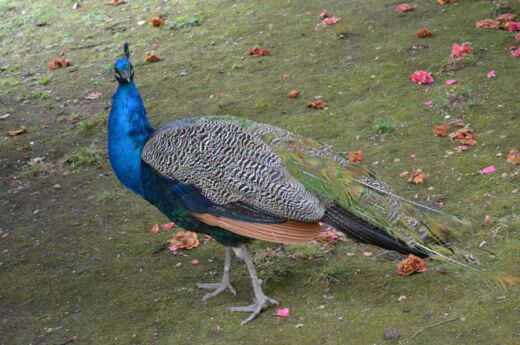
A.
pixel 76 260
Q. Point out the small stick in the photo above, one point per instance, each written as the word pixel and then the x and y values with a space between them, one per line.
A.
pixel 434 325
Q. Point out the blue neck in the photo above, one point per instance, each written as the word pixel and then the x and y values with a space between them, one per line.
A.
pixel 128 130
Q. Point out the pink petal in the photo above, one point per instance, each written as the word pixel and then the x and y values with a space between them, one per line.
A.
pixel 331 20
pixel 282 312
pixel 515 53
pixel 513 26
pixel 324 14
pixel 168 226
pixel 451 81
pixel 368 254
pixel 195 262
pixel 93 95
pixel 428 102
pixel 491 74
pixel 488 170
pixel 154 229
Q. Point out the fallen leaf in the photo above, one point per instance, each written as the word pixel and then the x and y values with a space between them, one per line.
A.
pixel 464 136
pixel 513 157
pixel 513 26
pixel 293 93
pixel 257 51
pixel 59 63
pixel 317 104
pixel 515 52
pixel 491 74
pixel 444 2
pixel 506 17
pixel 488 170
pixel 422 33
pixel 487 24
pixel 356 156
pixel 460 51
pixel 331 20
pixel 282 312
pixel 441 130
pixel 18 131
pixel 195 262
pixel 489 220
pixel 156 21
pixel 403 173
pixel 451 81
pixel 168 226
pixel 404 8
pixel 92 95
pixel 154 229
pixel 460 123
pixel 184 240
pixel 35 160
pixel 417 176
pixel 152 57
pixel 323 14
pixel 411 265
pixel 421 77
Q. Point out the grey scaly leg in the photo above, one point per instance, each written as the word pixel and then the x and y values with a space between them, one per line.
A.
pixel 225 284
pixel 261 300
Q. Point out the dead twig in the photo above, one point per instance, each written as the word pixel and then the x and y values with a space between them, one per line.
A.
pixel 434 325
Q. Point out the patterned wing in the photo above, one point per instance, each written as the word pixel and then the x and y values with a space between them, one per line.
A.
pixel 229 166
pixel 336 181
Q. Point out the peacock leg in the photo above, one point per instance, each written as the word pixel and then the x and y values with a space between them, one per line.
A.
pixel 225 284
pixel 261 300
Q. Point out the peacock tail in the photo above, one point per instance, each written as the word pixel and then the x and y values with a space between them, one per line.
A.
pixel 338 182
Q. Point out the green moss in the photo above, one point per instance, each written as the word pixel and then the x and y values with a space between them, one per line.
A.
pixel 85 156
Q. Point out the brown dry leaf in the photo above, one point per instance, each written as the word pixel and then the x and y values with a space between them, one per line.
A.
pixel 118 2
pixel 184 240
pixel 460 123
pixel 441 130
pixel 59 63
pixel 422 33
pixel 487 24
pixel 513 157
pixel 152 57
pixel 258 51
pixel 411 265
pixel 417 176
pixel 356 156
pixel 505 19
pixel 156 21
pixel 293 93
pixel 15 132
pixel 444 2
pixel 317 104
pixel 464 136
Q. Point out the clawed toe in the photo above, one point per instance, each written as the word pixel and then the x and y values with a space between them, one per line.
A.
pixel 218 287
pixel 255 309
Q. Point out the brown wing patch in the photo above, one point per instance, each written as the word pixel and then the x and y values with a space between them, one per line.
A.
pixel 288 232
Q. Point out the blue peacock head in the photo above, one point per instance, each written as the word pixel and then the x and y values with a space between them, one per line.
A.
pixel 123 69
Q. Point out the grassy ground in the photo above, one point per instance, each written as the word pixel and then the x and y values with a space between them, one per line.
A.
pixel 75 246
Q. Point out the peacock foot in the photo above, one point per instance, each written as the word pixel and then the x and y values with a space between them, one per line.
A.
pixel 218 287
pixel 255 309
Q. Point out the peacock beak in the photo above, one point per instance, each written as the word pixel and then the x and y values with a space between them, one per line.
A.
pixel 126 75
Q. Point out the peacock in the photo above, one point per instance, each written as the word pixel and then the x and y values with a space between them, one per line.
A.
pixel 238 180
